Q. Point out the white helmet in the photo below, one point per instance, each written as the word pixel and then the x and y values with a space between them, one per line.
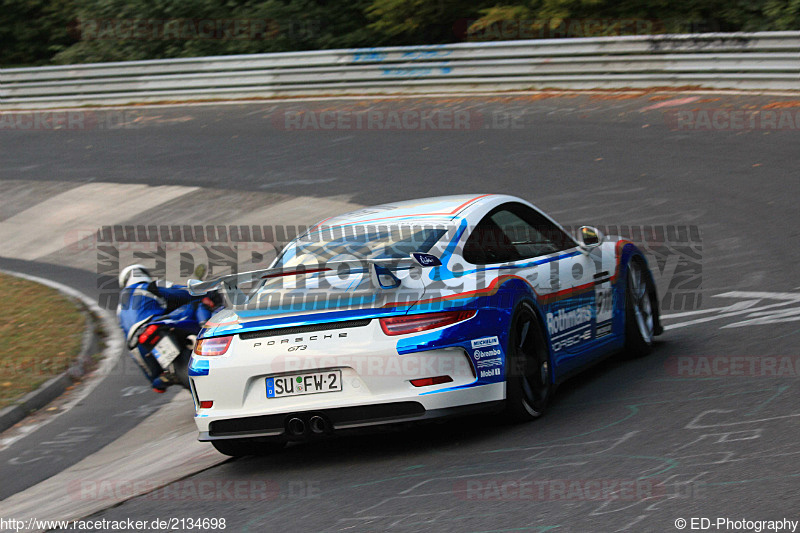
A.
pixel 130 275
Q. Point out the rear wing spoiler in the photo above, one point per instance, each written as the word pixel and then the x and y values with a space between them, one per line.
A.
pixel 380 273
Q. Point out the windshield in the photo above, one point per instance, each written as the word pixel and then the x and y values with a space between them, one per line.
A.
pixel 359 242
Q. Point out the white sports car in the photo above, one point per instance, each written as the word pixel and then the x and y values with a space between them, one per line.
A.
pixel 411 311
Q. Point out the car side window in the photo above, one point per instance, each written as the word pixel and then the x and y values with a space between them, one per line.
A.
pixel 511 232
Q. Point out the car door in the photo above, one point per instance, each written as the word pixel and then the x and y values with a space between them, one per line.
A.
pixel 520 238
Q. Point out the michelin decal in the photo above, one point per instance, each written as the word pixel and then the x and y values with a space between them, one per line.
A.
pixel 488 357
pixel 486 341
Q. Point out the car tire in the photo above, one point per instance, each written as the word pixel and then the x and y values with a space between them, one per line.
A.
pixel 242 447
pixel 528 370
pixel 640 311
pixel 181 368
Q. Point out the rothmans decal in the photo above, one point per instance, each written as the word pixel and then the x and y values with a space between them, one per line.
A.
pixel 564 320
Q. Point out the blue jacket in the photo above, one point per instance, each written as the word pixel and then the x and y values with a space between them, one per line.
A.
pixel 140 302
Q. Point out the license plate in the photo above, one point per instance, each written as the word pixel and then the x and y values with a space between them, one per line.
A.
pixel 299 384
pixel 165 352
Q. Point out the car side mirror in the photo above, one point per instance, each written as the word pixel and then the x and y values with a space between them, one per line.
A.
pixel 192 286
pixel 590 237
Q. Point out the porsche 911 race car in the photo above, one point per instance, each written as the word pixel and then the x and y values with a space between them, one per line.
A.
pixel 411 311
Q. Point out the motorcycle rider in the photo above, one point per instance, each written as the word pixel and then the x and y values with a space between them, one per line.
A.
pixel 141 300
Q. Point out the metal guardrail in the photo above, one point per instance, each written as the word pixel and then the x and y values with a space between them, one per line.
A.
pixel 749 61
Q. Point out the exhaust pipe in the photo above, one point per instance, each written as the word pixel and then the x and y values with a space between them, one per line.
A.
pixel 318 425
pixel 296 426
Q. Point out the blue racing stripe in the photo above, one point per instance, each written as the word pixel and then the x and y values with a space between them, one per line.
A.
pixel 198 367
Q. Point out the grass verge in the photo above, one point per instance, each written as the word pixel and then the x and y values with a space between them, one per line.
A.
pixel 40 336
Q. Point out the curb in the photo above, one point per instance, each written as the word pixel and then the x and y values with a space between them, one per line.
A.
pixel 55 387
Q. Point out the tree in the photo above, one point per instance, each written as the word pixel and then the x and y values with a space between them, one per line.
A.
pixel 32 31
pixel 400 22
pixel 191 28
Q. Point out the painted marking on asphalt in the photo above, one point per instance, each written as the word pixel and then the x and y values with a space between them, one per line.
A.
pixel 717 438
pixel 52 449
pixel 133 390
pixel 62 220
pixel 770 313
pixel 761 405
pixel 757 319
pixel 695 423
pixel 140 411
pixel 790 296
pixel 737 306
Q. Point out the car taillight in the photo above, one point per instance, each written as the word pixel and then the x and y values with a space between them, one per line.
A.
pixel 206 404
pixel 148 336
pixel 213 345
pixel 400 325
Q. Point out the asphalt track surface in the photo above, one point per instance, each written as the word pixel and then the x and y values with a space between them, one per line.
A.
pixel 700 445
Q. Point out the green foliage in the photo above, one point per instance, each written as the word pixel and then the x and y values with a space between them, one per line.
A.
pixel 783 14
pixel 34 32
pixel 401 22
pixel 587 18
pixel 190 28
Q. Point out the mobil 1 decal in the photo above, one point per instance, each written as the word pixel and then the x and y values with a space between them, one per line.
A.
pixel 569 323
pixel 603 308
pixel 488 358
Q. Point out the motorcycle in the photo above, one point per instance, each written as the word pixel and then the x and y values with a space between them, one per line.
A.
pixel 170 339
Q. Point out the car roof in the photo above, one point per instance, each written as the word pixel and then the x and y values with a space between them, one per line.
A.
pixel 439 208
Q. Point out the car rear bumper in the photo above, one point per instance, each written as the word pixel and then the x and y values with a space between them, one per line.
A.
pixel 339 419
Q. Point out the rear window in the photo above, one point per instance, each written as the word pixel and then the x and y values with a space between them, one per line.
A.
pixel 359 242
